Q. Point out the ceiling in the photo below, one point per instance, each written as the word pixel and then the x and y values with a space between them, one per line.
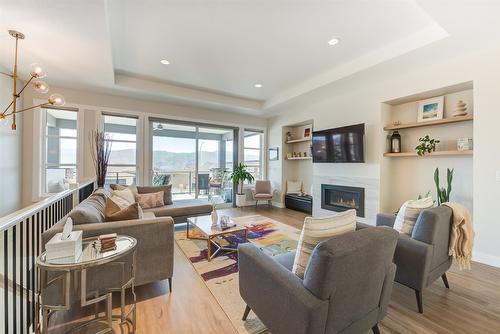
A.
pixel 217 49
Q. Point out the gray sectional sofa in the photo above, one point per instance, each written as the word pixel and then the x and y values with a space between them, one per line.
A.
pixel 154 233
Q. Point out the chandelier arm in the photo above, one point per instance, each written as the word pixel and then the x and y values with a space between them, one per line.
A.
pixel 25 109
pixel 25 85
pixel 11 103
pixel 7 74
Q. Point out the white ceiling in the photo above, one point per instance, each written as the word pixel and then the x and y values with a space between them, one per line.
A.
pixel 218 49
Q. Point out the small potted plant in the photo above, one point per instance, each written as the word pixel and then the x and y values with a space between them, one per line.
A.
pixel 239 176
pixel 426 145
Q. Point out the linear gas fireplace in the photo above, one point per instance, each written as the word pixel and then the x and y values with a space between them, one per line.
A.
pixel 342 198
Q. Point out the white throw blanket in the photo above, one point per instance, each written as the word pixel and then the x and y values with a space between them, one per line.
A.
pixel 461 235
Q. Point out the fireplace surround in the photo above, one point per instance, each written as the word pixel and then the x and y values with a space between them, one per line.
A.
pixel 342 198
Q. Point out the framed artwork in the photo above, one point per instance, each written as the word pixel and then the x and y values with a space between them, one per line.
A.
pixel 307 132
pixel 430 109
pixel 273 154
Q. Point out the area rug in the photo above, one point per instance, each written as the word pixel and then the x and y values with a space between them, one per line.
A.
pixel 221 274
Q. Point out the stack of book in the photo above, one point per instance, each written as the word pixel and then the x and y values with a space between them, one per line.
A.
pixel 108 242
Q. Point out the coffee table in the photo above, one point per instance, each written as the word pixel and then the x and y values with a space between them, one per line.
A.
pixel 212 234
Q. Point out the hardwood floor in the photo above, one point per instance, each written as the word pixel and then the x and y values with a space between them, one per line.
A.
pixel 472 305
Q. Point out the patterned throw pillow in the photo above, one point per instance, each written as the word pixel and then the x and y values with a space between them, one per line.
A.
pixel 293 187
pixel 167 192
pixel 126 194
pixel 316 230
pixel 113 211
pixel 150 200
pixel 408 214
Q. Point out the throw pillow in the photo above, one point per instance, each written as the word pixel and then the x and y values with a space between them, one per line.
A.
pixel 408 214
pixel 316 230
pixel 132 187
pixel 120 201
pixel 167 192
pixel 90 210
pixel 151 200
pixel 293 187
pixel 115 213
pixel 126 194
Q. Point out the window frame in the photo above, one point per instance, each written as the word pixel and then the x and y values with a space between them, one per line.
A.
pixel 138 141
pixel 42 187
pixel 261 149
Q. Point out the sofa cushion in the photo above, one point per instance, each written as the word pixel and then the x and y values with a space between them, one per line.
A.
pixel 167 192
pixel 114 212
pixel 150 200
pixel 90 210
pixel 285 259
pixel 316 230
pixel 126 194
pixel 180 208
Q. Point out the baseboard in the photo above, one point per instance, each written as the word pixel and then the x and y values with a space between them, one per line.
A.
pixel 278 204
pixel 488 259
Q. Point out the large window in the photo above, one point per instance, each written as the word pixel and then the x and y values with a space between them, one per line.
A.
pixel 121 131
pixel 60 158
pixel 252 153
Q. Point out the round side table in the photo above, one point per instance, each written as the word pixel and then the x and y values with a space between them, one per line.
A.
pixel 90 258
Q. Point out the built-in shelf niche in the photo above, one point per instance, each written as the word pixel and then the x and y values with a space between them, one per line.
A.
pixel 297 168
pixel 406 175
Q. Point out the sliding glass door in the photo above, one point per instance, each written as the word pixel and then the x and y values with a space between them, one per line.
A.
pixel 196 159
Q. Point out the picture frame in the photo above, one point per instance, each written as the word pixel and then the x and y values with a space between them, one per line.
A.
pixel 307 132
pixel 273 154
pixel 430 109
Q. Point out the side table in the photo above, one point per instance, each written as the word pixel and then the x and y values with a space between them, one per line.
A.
pixel 90 258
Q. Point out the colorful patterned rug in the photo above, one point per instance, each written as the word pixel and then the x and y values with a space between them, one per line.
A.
pixel 221 274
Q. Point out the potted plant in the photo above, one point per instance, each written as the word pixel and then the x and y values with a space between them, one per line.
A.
pixel 426 145
pixel 100 148
pixel 239 176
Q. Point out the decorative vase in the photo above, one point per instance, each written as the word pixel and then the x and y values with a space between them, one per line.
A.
pixel 460 109
pixel 396 142
pixel 214 216
pixel 240 200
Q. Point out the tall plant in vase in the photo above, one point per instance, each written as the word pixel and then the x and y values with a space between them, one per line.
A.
pixel 100 148
pixel 239 176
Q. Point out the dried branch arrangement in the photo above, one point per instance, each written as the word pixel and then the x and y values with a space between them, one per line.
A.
pixel 100 148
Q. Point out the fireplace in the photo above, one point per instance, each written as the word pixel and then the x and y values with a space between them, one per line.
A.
pixel 342 198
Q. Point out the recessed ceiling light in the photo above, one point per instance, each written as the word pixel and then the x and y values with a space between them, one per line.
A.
pixel 165 62
pixel 257 85
pixel 334 41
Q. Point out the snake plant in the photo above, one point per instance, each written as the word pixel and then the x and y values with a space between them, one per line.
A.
pixel 443 195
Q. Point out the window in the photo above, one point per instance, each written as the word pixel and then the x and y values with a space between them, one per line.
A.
pixel 252 153
pixel 121 131
pixel 60 158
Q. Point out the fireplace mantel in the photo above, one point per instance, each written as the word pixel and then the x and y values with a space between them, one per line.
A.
pixel 342 198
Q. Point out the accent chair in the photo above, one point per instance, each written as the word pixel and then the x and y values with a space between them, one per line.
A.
pixel 346 288
pixel 263 191
pixel 422 257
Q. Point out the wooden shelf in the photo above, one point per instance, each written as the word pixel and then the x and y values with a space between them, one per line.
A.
pixel 298 140
pixel 299 158
pixel 437 153
pixel 430 123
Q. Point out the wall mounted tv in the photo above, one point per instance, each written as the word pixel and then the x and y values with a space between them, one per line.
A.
pixel 345 144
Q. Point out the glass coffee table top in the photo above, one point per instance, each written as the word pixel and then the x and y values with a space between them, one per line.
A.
pixel 204 223
pixel 90 256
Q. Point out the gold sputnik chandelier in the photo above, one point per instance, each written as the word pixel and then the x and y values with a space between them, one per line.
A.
pixel 39 86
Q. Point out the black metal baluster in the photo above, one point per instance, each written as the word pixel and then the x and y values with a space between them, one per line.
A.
pixel 33 282
pixel 14 279
pixel 28 283
pixel 6 279
pixel 21 273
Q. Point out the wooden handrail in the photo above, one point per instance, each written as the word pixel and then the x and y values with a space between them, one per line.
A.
pixel 14 218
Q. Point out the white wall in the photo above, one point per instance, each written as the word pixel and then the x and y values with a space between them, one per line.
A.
pixel 10 150
pixel 358 99
pixel 91 104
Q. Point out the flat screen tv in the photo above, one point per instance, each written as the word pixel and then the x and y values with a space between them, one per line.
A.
pixel 345 144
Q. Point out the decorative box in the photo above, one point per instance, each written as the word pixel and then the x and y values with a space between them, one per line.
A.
pixel 464 144
pixel 68 249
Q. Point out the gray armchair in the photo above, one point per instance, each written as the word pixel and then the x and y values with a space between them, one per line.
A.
pixel 346 287
pixel 422 257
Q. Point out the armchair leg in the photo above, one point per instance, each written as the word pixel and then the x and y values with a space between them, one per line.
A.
pixel 170 284
pixel 445 281
pixel 245 314
pixel 375 329
pixel 418 294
